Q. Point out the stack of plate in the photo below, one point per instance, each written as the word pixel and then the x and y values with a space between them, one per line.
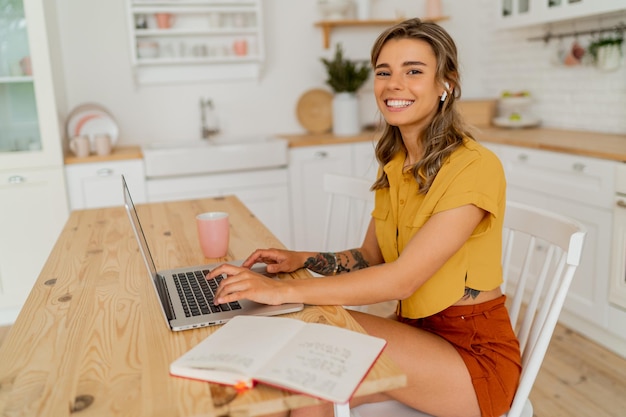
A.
pixel 91 120
pixel 515 112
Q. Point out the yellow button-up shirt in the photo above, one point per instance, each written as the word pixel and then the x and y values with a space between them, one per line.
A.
pixel 471 175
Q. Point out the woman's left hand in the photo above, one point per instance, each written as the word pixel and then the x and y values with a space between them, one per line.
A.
pixel 243 283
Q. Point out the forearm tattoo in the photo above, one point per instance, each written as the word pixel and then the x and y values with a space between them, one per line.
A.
pixel 359 260
pixel 323 263
pixel 329 263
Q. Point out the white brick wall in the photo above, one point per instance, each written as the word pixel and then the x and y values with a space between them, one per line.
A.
pixel 581 97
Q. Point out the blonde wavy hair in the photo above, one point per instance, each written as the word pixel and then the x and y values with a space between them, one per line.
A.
pixel 447 129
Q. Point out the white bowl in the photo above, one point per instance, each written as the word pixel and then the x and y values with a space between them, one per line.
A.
pixel 334 9
pixel 147 49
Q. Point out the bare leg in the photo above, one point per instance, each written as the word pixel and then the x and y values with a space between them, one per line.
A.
pixel 438 381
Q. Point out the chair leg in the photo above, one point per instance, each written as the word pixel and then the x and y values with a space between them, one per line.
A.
pixel 362 309
pixel 389 408
pixel 342 410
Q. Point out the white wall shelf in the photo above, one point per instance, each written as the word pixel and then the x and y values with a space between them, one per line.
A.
pixel 207 40
pixel 16 79
pixel 186 32
pixel 328 26
pixel 196 60
pixel 519 13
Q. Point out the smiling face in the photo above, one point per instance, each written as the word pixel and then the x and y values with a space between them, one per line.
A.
pixel 407 92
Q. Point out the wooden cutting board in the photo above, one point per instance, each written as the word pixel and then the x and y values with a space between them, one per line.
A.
pixel 314 110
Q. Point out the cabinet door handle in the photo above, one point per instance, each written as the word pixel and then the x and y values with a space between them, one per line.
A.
pixel 621 204
pixel 522 157
pixel 321 154
pixel 578 166
pixel 104 172
pixel 16 179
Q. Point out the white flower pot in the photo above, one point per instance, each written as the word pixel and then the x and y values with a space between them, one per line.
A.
pixel 609 57
pixel 346 114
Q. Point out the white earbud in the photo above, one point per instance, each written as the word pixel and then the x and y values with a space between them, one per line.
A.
pixel 444 95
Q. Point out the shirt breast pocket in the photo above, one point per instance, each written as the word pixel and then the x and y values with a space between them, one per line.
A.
pixel 385 232
pixel 380 213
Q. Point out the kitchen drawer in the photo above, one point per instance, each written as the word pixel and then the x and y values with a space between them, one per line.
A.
pixel 99 184
pixel 582 179
pixel 264 192
pixel 32 214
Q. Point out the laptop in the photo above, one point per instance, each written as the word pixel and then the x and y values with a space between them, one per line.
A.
pixel 186 295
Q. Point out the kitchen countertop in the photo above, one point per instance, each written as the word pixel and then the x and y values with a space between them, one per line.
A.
pixel 120 153
pixel 576 142
pixel 313 139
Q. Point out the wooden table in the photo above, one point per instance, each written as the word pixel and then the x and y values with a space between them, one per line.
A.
pixel 91 337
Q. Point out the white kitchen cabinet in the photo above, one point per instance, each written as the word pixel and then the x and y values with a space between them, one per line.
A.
pixel 265 192
pixel 587 297
pixel 364 163
pixel 32 187
pixel 195 40
pixel 516 13
pixel 32 214
pixel 29 126
pixel 99 184
pixel 582 179
pixel 307 166
pixel 581 188
pixel 618 260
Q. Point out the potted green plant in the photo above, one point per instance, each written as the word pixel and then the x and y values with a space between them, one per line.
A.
pixel 345 77
pixel 606 52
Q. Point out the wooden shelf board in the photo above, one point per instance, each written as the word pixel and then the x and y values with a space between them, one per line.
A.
pixel 328 25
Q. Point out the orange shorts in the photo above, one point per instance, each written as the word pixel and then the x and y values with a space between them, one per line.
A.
pixel 483 336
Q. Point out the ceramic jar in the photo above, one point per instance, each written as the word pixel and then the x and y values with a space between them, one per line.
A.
pixel 334 9
pixel 346 114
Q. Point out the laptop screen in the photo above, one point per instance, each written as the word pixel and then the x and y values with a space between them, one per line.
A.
pixel 141 238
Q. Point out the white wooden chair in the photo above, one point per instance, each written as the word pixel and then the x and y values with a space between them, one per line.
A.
pixel 541 251
pixel 348 213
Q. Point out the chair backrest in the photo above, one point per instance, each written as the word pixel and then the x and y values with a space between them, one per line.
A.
pixel 541 251
pixel 350 204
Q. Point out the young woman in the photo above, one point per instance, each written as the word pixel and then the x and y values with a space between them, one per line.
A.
pixel 433 244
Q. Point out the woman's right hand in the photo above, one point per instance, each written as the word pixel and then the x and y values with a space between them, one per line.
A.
pixel 277 260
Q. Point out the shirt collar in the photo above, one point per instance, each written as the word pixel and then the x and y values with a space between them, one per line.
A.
pixel 396 164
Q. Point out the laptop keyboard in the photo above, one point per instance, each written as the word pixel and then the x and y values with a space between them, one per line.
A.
pixel 197 293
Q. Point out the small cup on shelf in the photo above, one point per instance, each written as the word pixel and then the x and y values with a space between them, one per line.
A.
pixel 240 47
pixel 164 20
pixel 80 146
pixel 103 144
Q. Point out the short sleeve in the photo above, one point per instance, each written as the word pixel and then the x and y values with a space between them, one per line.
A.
pixel 473 176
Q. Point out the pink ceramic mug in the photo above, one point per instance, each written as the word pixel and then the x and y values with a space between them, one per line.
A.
pixel 213 232
pixel 240 47
pixel 80 145
pixel 103 144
